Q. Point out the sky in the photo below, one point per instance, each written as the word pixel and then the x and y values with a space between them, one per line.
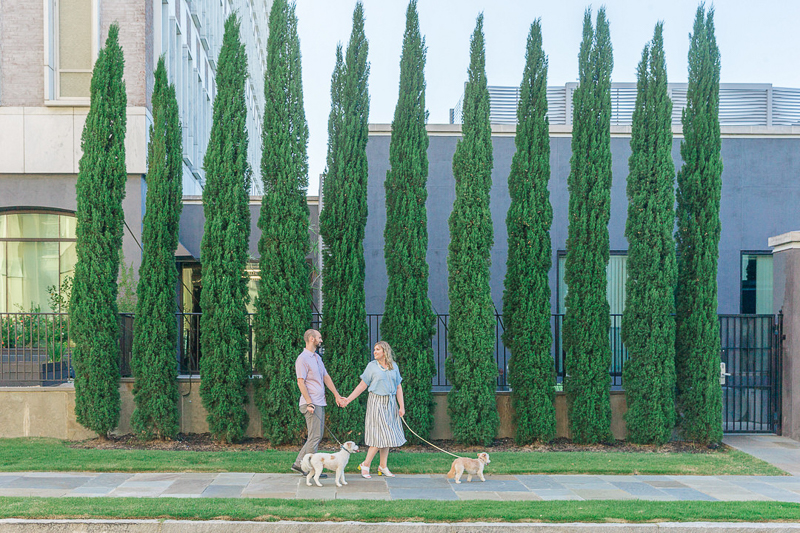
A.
pixel 757 41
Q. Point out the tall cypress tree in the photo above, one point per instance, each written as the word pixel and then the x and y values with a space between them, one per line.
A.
pixel 224 248
pixel 155 367
pixel 408 321
pixel 697 343
pixel 471 367
pixel 587 320
pixel 283 307
pixel 100 188
pixel 526 298
pixel 648 329
pixel 343 223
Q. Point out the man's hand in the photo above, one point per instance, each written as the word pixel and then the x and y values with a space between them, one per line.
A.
pixel 310 407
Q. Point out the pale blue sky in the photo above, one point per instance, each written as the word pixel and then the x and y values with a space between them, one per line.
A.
pixel 757 40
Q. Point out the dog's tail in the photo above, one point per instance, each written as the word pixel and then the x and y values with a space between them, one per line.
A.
pixel 452 473
pixel 306 463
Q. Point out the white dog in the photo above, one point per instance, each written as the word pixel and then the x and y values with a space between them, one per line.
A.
pixel 315 463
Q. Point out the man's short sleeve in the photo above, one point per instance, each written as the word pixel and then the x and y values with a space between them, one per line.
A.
pixel 301 368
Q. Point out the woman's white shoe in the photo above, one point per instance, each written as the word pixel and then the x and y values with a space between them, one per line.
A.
pixel 385 472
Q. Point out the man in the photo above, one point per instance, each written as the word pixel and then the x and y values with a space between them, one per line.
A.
pixel 311 380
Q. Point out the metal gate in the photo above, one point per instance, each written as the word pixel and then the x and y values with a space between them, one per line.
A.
pixel 751 372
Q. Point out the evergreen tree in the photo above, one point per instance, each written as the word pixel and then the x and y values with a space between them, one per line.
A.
pixel 408 321
pixel 100 188
pixel 471 366
pixel 697 342
pixel 224 248
pixel 154 363
pixel 587 320
pixel 648 329
pixel 343 223
pixel 526 298
pixel 283 307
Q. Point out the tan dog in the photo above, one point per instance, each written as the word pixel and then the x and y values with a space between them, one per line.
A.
pixel 472 467
pixel 315 463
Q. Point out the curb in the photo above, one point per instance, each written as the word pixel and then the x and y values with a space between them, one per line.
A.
pixel 13 525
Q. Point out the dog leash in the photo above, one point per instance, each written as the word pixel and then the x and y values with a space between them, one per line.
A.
pixel 334 438
pixel 429 443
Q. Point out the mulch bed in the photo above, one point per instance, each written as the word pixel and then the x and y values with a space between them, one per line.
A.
pixel 203 442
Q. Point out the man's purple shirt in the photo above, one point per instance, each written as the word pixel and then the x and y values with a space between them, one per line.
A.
pixel 309 366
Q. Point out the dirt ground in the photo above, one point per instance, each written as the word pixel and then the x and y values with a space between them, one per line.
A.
pixel 203 442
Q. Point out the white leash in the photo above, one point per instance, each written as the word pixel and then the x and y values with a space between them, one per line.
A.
pixel 426 442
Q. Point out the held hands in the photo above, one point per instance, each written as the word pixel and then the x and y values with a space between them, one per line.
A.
pixel 342 402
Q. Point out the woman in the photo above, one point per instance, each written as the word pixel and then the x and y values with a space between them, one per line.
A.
pixel 382 424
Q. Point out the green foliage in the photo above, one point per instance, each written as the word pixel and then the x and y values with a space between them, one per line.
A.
pixel 697 343
pixel 154 363
pixel 59 296
pixel 648 329
pixel 342 225
pixel 283 306
pixel 126 286
pixel 224 248
pixel 99 190
pixel 526 298
pixel 587 320
pixel 408 321
pixel 471 367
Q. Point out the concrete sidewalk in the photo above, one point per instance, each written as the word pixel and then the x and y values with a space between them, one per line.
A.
pixel 779 451
pixel 427 487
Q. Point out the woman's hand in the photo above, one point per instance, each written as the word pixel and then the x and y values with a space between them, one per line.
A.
pixel 402 412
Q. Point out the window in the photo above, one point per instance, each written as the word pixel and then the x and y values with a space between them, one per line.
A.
pixel 756 284
pixel 71 48
pixel 37 253
pixel 616 274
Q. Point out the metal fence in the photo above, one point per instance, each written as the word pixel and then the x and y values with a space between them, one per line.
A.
pixel 29 341
pixel 751 351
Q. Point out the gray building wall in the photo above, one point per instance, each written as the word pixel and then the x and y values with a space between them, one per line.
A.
pixel 760 199
pixel 40 191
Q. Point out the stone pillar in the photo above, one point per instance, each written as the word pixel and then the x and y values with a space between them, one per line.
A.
pixel 786 298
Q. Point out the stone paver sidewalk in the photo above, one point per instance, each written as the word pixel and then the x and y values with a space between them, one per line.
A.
pixel 779 451
pixel 428 487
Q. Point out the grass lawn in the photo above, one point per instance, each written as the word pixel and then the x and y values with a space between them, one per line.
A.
pixel 399 510
pixel 51 455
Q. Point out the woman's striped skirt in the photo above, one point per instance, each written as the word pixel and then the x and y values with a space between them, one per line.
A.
pixel 382 425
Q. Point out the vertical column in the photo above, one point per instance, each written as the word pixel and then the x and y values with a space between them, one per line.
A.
pixel 786 297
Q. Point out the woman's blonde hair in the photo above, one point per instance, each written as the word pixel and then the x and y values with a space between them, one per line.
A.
pixel 387 352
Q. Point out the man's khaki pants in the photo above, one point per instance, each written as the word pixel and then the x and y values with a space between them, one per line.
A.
pixel 315 423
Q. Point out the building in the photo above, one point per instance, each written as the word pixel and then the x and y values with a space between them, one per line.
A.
pixel 760 127
pixel 760 190
pixel 47 51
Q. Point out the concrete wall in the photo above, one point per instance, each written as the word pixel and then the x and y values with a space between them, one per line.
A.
pixel 760 198
pixel 50 412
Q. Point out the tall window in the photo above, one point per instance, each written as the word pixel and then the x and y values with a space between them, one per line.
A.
pixel 71 49
pixel 756 287
pixel 616 273
pixel 37 252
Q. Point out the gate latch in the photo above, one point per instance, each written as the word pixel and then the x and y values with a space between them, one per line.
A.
pixel 722 374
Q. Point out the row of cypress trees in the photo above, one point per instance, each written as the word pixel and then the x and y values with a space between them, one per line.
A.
pixel 655 343
pixel 283 301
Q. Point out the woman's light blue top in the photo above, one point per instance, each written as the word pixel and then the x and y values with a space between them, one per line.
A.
pixel 380 381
